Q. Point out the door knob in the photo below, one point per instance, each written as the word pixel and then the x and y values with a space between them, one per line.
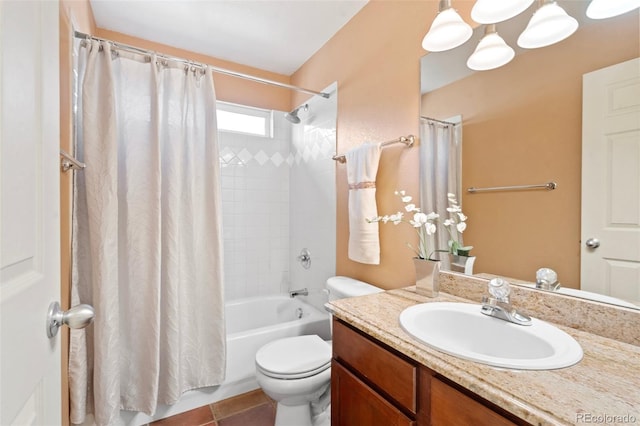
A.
pixel 593 243
pixel 77 317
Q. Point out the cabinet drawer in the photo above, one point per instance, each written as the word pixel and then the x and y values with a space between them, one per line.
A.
pixel 450 407
pixel 355 403
pixel 387 372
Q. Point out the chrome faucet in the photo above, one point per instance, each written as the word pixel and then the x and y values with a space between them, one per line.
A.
pixel 301 292
pixel 547 279
pixel 498 305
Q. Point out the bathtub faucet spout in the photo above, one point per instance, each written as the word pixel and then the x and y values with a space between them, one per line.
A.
pixel 301 292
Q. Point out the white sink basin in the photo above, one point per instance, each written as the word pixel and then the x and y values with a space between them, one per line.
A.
pixel 460 329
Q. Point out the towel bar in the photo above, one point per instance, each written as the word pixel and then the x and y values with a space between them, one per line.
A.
pixel 549 186
pixel 407 140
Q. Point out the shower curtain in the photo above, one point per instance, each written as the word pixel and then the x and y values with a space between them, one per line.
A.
pixel 440 173
pixel 147 236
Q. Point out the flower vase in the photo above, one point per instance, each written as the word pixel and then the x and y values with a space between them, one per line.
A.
pixel 427 275
pixel 462 264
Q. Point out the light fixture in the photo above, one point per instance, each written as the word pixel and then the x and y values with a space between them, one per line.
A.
pixel 492 11
pixel 601 9
pixel 548 25
pixel 492 51
pixel 447 31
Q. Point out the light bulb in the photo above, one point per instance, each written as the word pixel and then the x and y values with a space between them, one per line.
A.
pixel 447 31
pixel 492 52
pixel 601 9
pixel 548 25
pixel 492 11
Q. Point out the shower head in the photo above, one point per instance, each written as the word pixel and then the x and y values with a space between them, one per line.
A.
pixel 293 115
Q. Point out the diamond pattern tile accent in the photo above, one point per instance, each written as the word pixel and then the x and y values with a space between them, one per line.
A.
pixel 226 155
pixel 245 156
pixel 261 157
pixel 314 149
pixel 277 159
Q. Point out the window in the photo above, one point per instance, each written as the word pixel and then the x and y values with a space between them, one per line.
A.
pixel 243 119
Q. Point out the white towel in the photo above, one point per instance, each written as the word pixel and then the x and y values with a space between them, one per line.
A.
pixel 362 167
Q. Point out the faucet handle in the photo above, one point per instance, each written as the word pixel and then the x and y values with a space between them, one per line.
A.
pixel 499 288
pixel 546 275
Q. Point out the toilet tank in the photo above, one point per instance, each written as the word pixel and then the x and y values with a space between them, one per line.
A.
pixel 343 287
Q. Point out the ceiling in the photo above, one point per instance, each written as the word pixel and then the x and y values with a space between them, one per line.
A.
pixel 273 35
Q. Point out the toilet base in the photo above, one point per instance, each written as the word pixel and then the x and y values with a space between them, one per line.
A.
pixel 293 415
pixel 302 415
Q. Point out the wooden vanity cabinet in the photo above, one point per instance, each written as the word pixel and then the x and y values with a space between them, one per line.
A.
pixel 373 384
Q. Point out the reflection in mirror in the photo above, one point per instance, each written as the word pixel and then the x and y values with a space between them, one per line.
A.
pixel 523 125
pixel 440 176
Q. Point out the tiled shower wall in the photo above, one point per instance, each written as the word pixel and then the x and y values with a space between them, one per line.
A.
pixel 255 210
pixel 278 195
pixel 313 196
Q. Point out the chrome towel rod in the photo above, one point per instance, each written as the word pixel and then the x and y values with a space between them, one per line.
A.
pixel 407 140
pixel 548 186
pixel 67 162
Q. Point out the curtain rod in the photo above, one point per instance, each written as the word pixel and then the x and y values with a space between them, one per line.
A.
pixel 68 162
pixel 219 70
pixel 438 121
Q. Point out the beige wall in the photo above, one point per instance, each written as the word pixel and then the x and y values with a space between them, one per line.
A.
pixel 523 125
pixel 375 59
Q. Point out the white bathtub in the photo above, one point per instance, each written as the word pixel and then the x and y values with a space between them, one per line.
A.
pixel 251 323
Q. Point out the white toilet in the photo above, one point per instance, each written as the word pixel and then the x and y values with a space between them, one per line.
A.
pixel 296 371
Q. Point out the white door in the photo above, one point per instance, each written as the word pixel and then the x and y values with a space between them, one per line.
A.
pixel 29 212
pixel 610 255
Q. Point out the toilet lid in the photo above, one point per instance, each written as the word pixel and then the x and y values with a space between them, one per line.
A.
pixel 294 357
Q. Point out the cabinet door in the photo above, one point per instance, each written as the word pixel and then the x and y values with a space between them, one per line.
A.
pixel 388 373
pixel 450 407
pixel 355 403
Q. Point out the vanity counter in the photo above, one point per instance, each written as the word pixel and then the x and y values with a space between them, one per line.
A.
pixel 605 383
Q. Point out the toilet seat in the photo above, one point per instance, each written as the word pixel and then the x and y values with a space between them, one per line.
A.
pixel 294 357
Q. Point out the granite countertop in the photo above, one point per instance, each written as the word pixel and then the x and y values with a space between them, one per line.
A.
pixel 605 383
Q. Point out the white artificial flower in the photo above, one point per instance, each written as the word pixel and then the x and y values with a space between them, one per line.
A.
pixel 411 208
pixel 461 227
pixel 407 198
pixel 396 218
pixel 447 222
pixel 432 216
pixel 430 228
pixel 450 195
pixel 462 216
pixel 420 218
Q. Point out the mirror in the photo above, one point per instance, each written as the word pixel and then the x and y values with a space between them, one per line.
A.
pixel 522 125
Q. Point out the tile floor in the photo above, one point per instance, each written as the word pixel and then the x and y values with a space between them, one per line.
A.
pixel 249 409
